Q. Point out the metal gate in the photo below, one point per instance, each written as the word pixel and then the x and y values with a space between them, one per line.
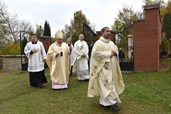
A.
pixel 126 64
pixel 24 37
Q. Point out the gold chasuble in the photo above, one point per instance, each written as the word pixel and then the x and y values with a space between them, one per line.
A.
pixel 59 65
pixel 105 73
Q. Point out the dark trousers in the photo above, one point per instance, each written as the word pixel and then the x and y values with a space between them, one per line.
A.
pixel 37 78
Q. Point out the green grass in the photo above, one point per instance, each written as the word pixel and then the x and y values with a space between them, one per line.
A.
pixel 145 93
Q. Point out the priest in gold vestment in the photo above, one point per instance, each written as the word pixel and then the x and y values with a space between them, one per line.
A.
pixel 105 74
pixel 58 62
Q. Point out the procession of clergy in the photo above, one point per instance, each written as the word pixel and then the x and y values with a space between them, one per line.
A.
pixel 104 74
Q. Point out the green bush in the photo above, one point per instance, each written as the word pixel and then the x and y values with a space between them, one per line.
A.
pixel 165 46
pixel 53 40
pixel 11 49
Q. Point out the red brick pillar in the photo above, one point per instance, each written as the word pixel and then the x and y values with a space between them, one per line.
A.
pixel 46 42
pixel 146 39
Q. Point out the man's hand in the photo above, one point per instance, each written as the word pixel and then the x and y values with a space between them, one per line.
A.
pixel 83 55
pixel 113 53
pixel 57 54
pixel 34 50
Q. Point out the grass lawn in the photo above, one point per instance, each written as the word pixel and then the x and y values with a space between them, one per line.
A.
pixel 145 93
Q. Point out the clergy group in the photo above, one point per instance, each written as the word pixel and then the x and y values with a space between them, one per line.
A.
pixel 103 72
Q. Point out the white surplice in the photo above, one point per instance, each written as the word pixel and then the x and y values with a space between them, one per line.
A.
pixel 35 63
pixel 81 63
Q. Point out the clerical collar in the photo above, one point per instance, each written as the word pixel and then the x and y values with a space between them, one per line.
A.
pixel 104 39
pixel 34 42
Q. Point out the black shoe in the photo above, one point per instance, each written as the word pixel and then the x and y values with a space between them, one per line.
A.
pixel 115 107
pixel 40 86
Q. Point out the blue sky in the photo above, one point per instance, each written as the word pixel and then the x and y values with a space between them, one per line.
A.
pixel 60 12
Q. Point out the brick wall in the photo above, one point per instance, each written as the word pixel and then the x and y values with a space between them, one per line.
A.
pixel 46 42
pixel 147 37
pixel 11 62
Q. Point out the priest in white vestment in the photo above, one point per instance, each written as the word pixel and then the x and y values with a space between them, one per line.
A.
pixel 81 59
pixel 36 55
pixel 58 62
pixel 105 74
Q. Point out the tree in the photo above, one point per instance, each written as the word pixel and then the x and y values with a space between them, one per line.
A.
pixel 126 16
pixel 47 30
pixel 166 18
pixel 167 25
pixel 13 26
pixel 3 31
pixel 3 25
pixel 151 2
pixel 123 23
pixel 164 47
pixel 168 7
pixel 76 26
pixel 39 30
pixel 68 32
